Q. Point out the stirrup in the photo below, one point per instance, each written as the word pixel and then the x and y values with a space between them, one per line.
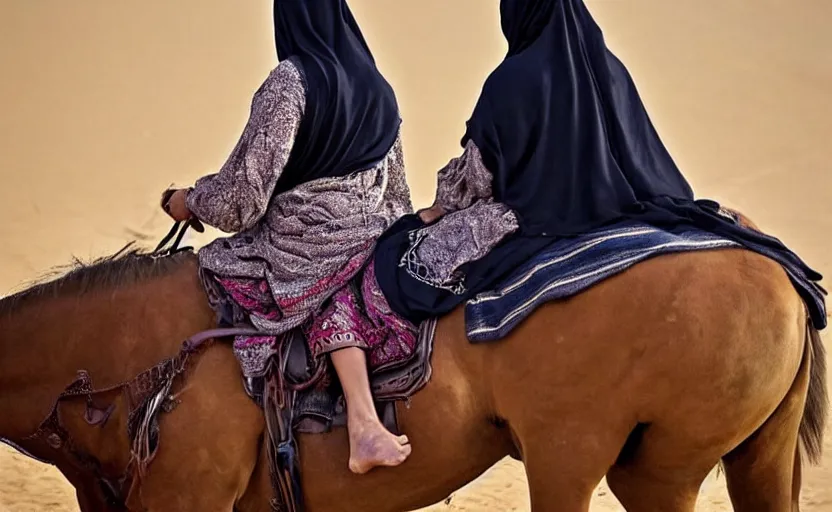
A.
pixel 255 388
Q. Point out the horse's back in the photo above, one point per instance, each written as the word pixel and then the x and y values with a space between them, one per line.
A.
pixel 711 307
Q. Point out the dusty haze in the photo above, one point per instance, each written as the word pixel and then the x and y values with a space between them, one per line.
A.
pixel 105 103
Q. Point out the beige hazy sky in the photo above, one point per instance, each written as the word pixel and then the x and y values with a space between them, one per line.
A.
pixel 105 103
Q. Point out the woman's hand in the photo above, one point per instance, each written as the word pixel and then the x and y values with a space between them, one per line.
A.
pixel 175 204
pixel 432 214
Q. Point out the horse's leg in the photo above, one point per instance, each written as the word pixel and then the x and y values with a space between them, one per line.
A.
pixel 665 460
pixel 563 474
pixel 763 473
pixel 665 463
pixel 556 385
pixel 259 493
pixel 209 444
pixel 643 487
pixel 567 454
pixel 661 468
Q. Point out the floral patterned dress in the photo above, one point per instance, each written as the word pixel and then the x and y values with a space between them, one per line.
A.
pixel 290 252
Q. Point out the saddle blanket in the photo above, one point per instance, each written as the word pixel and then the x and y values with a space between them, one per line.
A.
pixel 569 266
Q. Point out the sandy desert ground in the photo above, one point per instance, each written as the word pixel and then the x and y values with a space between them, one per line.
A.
pixel 106 103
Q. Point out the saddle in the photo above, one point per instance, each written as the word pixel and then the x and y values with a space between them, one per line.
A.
pixel 298 395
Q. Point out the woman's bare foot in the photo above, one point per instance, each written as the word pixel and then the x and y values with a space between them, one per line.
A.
pixel 372 445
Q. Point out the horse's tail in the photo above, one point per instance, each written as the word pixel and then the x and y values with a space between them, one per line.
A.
pixel 817 401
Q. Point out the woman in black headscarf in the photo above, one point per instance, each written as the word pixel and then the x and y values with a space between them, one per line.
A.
pixel 316 177
pixel 559 144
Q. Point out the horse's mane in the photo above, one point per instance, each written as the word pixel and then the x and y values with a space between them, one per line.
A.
pixel 125 267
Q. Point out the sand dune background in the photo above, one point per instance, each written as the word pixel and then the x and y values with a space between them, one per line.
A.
pixel 106 103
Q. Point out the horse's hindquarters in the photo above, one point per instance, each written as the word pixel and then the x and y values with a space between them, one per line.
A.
pixel 661 370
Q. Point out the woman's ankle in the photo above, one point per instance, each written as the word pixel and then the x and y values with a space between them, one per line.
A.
pixel 363 419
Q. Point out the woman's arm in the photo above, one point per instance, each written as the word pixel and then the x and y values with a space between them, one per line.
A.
pixel 465 223
pixel 464 181
pixel 237 197
pixel 461 183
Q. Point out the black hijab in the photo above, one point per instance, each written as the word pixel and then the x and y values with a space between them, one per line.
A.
pixel 562 128
pixel 352 117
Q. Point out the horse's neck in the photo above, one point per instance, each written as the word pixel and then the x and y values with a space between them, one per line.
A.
pixel 112 334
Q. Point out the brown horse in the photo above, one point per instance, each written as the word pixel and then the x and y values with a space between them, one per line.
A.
pixel 652 378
